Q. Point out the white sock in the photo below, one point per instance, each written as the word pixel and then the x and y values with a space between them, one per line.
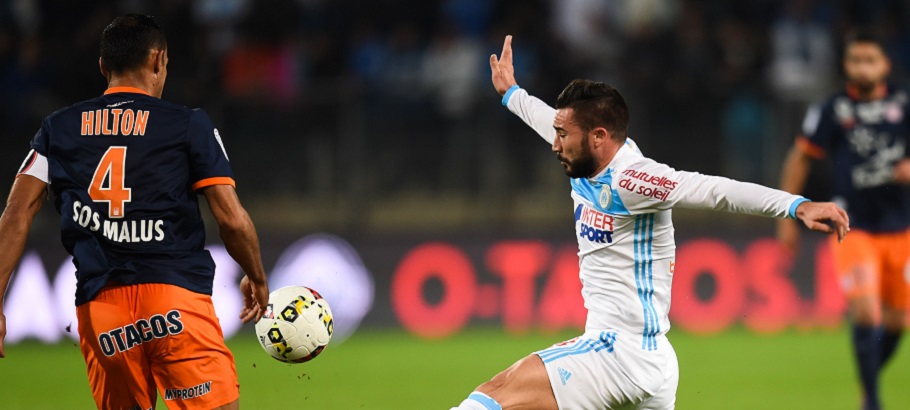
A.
pixel 478 401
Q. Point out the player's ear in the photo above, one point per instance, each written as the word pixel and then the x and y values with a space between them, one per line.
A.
pixel 601 135
pixel 158 60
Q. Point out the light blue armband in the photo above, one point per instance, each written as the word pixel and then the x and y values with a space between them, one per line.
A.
pixel 508 94
pixel 792 212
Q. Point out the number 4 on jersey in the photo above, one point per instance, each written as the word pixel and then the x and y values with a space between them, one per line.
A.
pixel 111 170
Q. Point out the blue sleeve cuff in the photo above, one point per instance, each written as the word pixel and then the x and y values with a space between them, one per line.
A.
pixel 792 212
pixel 508 94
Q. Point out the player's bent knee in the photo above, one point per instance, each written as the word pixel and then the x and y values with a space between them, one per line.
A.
pixel 493 385
pixel 503 378
pixel 525 384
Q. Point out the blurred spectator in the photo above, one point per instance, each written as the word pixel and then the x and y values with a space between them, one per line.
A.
pixel 592 39
pixel 388 99
pixel 803 63
pixel 262 66
pixel 451 71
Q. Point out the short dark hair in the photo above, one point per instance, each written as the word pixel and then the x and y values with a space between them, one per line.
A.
pixel 862 35
pixel 125 43
pixel 596 104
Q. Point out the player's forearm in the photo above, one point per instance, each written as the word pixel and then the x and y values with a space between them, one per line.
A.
pixel 24 202
pixel 795 171
pixel 242 243
pixel 534 112
pixel 14 226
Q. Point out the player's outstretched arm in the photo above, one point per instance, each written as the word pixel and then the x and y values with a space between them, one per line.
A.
pixel 24 201
pixel 824 217
pixel 242 243
pixel 502 69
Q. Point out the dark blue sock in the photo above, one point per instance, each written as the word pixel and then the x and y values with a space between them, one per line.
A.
pixel 866 349
pixel 888 345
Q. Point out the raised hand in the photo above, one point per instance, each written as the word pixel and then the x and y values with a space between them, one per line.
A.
pixel 502 69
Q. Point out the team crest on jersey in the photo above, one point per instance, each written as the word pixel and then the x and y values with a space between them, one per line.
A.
pixel 894 113
pixel 606 197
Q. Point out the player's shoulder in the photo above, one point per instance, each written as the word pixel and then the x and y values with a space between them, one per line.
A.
pixel 642 165
pixel 631 157
pixel 827 111
pixel 112 101
pixel 164 106
pixel 68 110
pixel 175 113
pixel 828 102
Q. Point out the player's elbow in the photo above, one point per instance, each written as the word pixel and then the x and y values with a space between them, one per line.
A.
pixel 238 225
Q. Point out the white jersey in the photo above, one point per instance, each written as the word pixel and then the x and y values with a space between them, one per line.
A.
pixel 624 230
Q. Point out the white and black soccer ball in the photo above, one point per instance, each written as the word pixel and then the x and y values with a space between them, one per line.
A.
pixel 297 324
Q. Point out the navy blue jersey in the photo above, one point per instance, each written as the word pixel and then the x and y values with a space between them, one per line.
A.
pixel 864 140
pixel 123 168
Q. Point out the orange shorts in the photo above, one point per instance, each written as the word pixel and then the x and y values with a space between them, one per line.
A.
pixel 876 265
pixel 139 340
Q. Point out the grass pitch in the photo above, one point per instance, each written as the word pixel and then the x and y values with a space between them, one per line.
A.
pixel 393 370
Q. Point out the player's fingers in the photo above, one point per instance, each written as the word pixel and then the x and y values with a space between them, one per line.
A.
pixel 820 227
pixel 247 303
pixel 246 317
pixel 493 61
pixel 507 50
pixel 248 314
pixel 2 353
pixel 842 224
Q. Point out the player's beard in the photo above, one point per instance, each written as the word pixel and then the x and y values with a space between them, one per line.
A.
pixel 864 86
pixel 581 167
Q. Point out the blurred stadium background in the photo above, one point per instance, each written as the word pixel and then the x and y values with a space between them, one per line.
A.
pixel 380 168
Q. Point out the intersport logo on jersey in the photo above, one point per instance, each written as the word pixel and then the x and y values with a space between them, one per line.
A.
pixel 595 226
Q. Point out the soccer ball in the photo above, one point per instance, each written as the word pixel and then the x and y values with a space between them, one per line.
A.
pixel 296 326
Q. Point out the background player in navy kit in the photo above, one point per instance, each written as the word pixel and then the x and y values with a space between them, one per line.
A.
pixel 125 169
pixel 864 129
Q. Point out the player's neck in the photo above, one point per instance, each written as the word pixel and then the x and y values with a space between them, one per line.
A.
pixel 607 160
pixel 870 94
pixel 132 80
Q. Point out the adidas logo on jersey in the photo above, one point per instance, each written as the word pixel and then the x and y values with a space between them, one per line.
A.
pixel 564 375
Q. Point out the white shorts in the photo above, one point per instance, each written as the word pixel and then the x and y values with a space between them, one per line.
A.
pixel 609 370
